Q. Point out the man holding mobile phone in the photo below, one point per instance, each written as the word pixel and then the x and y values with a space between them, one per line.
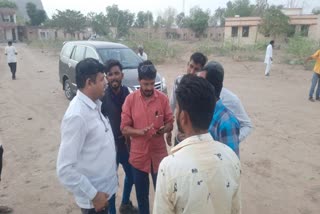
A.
pixel 146 117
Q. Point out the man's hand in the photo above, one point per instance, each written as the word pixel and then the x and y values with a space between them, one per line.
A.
pixel 169 139
pixel 100 201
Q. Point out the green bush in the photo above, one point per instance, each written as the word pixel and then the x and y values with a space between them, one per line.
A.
pixel 299 48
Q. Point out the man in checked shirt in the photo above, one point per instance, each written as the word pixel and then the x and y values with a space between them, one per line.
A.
pixel 224 126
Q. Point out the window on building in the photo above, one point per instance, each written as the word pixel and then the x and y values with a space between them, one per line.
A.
pixel 42 35
pixel 234 32
pixel 304 30
pixel 245 31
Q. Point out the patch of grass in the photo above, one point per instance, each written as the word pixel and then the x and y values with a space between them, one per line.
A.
pixel 46 44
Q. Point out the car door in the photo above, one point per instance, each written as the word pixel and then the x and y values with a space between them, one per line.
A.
pixel 77 55
pixel 64 61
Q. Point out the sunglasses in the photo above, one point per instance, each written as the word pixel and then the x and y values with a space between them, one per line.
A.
pixel 148 68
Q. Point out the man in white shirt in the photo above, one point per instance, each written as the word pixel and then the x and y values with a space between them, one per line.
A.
pixel 142 54
pixel 86 163
pixel 11 52
pixel 268 58
pixel 201 175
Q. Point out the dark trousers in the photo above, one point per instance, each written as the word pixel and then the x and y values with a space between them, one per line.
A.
pixel 141 181
pixel 13 69
pixel 123 159
pixel 107 210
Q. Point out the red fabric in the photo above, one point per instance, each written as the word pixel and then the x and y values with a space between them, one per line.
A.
pixel 139 114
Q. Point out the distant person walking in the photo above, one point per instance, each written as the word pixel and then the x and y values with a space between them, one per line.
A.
pixel 268 58
pixel 11 52
pixel 316 76
pixel 142 54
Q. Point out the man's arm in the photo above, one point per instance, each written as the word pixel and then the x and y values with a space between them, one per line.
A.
pixel 162 203
pixel 229 134
pixel 73 134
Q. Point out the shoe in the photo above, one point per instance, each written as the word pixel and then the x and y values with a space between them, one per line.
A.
pixel 128 209
pixel 267 75
pixel 311 99
pixel 318 99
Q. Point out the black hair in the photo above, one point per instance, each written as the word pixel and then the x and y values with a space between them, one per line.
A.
pixel 147 71
pixel 215 75
pixel 199 58
pixel 272 42
pixel 110 64
pixel 87 69
pixel 196 96
pixel 9 42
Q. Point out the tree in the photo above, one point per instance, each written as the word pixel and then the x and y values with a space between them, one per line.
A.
pixel 274 22
pixel 316 11
pixel 260 7
pixel 169 16
pixel 198 21
pixel 120 19
pixel 99 23
pixel 218 18
pixel 144 19
pixel 37 17
pixel 69 20
pixel 182 21
pixel 7 4
pixel 239 7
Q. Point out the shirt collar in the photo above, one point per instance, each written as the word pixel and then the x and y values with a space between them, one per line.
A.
pixel 193 140
pixel 88 101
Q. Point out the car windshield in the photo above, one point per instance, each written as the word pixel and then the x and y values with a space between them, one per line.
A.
pixel 126 56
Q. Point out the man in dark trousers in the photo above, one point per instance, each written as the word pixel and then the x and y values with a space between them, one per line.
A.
pixel 112 102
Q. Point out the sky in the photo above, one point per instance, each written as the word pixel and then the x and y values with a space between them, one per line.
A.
pixel 155 6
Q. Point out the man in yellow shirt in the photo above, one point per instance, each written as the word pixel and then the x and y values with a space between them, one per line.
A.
pixel 316 76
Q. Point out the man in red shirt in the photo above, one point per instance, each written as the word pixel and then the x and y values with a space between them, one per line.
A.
pixel 146 117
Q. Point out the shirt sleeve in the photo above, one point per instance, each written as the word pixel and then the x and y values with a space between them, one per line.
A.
pixel 126 115
pixel 243 118
pixel 168 116
pixel 316 55
pixel 162 203
pixel 73 134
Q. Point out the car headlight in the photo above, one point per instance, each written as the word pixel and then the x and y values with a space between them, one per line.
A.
pixel 164 84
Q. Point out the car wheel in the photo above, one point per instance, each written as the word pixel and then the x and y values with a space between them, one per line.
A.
pixel 67 90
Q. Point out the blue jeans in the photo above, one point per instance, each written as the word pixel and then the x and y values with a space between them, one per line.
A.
pixel 111 210
pixel 123 159
pixel 314 82
pixel 141 181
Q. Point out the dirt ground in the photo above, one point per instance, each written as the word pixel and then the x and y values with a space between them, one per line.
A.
pixel 280 159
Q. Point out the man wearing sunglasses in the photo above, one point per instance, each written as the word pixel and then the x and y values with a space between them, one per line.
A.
pixel 146 117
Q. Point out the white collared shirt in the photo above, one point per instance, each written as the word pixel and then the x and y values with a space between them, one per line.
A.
pixel 144 56
pixel 11 52
pixel 87 157
pixel 233 103
pixel 200 176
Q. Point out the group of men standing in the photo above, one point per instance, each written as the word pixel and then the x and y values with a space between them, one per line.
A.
pixel 107 126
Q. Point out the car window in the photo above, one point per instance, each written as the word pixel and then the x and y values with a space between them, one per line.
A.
pixel 78 53
pixel 90 53
pixel 67 49
pixel 126 56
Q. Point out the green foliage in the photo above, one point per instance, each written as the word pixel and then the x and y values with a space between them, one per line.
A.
pixel 239 7
pixel 198 20
pixel 299 48
pixel 274 22
pixel 316 11
pixel 144 19
pixel 7 4
pixel 169 17
pixel 99 23
pixel 121 19
pixel 70 21
pixel 37 17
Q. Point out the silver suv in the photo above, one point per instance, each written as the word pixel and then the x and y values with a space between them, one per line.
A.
pixel 75 51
